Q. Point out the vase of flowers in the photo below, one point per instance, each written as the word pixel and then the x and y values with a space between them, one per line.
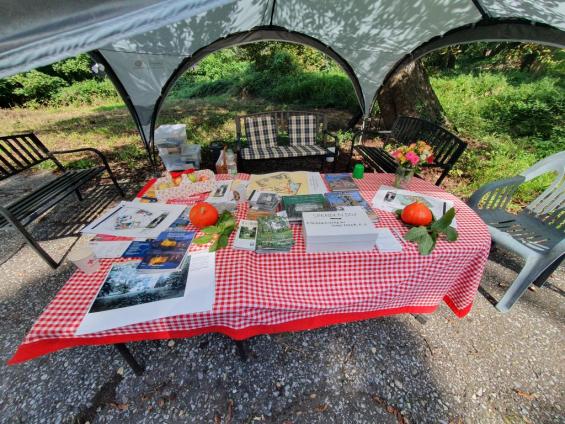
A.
pixel 410 160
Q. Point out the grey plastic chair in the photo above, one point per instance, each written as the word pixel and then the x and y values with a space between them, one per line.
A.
pixel 536 233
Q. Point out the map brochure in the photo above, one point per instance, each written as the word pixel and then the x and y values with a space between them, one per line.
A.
pixel 288 183
pixel 391 199
pixel 246 235
pixel 167 252
pixel 295 205
pixel 273 234
pixel 341 182
pixel 134 219
pixel 342 199
pixel 128 297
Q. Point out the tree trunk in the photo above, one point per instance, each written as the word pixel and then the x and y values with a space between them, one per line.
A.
pixel 409 92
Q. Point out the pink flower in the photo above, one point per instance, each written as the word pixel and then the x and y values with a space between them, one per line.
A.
pixel 396 154
pixel 412 158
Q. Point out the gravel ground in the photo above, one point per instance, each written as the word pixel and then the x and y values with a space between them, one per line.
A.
pixel 488 367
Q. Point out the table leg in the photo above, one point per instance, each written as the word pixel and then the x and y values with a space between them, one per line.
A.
pixel 420 318
pixel 242 349
pixel 136 367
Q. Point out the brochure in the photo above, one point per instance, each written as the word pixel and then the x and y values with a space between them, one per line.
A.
pixel 167 252
pixel 134 219
pixel 341 182
pixel 137 249
pixel 274 234
pixel 246 235
pixel 391 199
pixel 128 296
pixel 295 205
pixel 342 199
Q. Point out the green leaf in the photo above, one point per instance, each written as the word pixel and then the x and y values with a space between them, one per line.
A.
pixel 223 241
pixel 451 234
pixel 203 239
pixel 416 234
pixel 426 245
pixel 444 222
pixel 212 229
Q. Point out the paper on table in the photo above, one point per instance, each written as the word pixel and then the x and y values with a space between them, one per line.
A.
pixel 109 249
pixel 316 184
pixel 132 219
pixel 199 296
pixel 386 242
pixel 391 199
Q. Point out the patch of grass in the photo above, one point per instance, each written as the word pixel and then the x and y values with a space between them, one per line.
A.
pixel 511 121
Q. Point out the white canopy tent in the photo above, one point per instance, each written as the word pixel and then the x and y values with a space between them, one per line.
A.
pixel 145 45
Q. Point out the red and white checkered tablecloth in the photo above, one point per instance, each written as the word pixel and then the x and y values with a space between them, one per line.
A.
pixel 269 293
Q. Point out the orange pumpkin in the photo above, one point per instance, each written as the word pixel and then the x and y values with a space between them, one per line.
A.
pixel 417 214
pixel 203 215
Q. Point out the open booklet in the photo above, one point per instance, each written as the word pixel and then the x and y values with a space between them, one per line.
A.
pixel 128 296
pixel 391 199
pixel 133 219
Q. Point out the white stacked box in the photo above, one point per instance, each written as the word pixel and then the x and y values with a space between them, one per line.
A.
pixel 347 230
pixel 174 151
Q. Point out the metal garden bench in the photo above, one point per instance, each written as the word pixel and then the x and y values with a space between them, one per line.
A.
pixel 23 151
pixel 537 233
pixel 282 134
pixel 447 147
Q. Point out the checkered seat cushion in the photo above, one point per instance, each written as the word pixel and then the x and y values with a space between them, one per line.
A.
pixel 302 130
pixel 261 131
pixel 272 152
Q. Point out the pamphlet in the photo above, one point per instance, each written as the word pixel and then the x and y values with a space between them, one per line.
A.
pixel 342 199
pixel 167 252
pixel 128 296
pixel 133 219
pixel 246 235
pixel 392 199
pixel 274 234
pixel 295 205
pixel 341 182
pixel 137 249
pixel 288 183
pixel 386 242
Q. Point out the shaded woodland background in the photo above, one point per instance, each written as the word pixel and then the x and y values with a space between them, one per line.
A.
pixel 506 99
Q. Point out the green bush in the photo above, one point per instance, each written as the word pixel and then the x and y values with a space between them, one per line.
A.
pixel 35 86
pixel 72 69
pixel 512 120
pixel 85 92
pixel 314 89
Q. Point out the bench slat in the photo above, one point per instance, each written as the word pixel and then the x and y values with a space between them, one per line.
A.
pixel 31 206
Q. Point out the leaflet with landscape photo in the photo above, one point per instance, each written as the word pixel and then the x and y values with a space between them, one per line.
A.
pixel 392 199
pixel 129 297
pixel 133 219
pixel 246 235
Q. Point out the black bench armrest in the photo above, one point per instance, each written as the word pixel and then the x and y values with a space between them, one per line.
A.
pixel 97 152
pixel 83 149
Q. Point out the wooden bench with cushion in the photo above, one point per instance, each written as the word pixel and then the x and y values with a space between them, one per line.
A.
pixel 282 134
pixel 447 147
pixel 21 152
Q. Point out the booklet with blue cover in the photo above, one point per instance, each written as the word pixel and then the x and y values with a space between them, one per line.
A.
pixel 340 182
pixel 167 252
